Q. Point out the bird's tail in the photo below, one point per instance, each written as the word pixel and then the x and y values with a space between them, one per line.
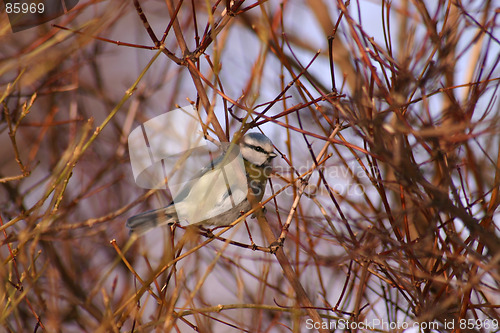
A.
pixel 152 218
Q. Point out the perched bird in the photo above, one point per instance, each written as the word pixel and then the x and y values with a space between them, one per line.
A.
pixel 218 205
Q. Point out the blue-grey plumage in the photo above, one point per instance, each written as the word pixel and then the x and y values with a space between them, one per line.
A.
pixel 226 203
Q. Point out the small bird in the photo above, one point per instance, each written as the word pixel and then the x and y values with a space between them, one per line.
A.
pixel 226 203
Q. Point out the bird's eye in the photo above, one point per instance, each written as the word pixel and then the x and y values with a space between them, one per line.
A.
pixel 259 149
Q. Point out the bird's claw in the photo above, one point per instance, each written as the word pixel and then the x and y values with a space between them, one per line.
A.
pixel 275 246
pixel 264 210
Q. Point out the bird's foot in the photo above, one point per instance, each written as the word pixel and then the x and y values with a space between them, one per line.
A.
pixel 275 246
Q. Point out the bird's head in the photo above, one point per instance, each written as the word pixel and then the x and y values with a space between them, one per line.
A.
pixel 257 149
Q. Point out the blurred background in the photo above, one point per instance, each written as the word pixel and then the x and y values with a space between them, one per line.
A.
pixel 385 119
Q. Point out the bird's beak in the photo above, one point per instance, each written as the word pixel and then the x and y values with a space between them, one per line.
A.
pixel 272 155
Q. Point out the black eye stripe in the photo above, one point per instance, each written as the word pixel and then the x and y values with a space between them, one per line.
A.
pixel 257 148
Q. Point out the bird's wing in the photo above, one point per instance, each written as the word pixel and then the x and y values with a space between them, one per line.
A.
pixel 189 184
pixel 207 168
